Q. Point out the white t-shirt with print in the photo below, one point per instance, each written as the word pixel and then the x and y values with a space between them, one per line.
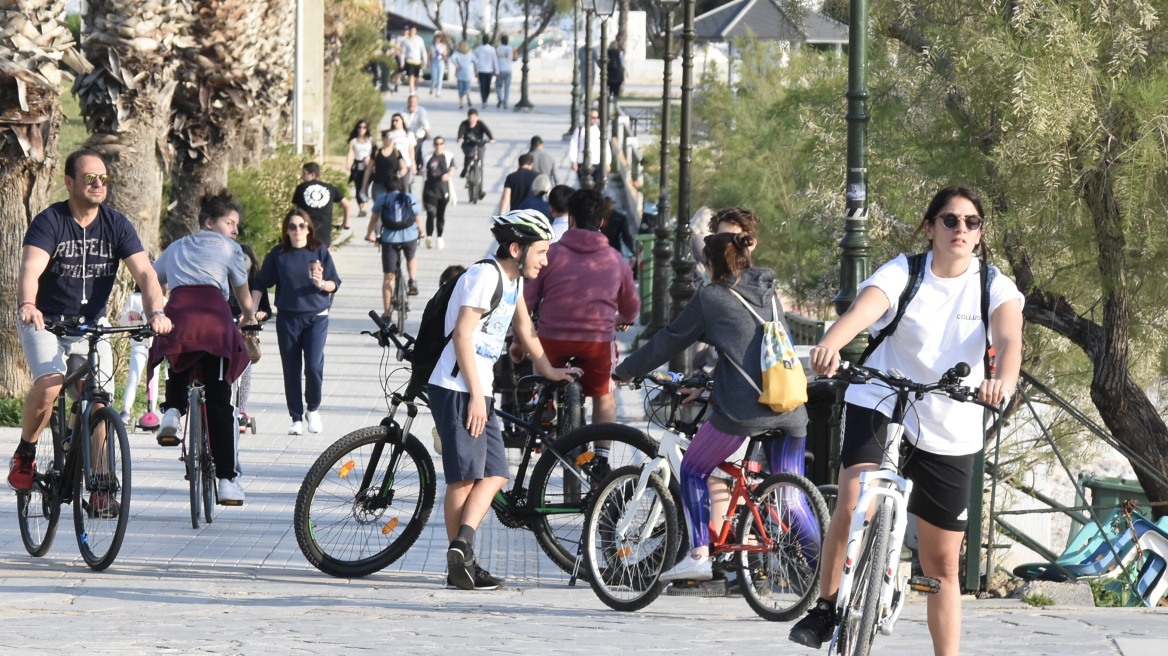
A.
pixel 506 56
pixel 941 326
pixel 475 289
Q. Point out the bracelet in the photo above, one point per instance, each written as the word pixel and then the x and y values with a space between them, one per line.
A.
pixel 157 313
pixel 26 303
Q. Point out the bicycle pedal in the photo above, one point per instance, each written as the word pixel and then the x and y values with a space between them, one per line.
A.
pixel 169 440
pixel 230 503
pixel 926 584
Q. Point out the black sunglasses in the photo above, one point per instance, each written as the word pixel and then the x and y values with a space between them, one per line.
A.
pixel 972 221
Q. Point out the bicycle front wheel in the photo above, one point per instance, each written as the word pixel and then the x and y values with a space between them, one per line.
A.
pixel 780 584
pixel 364 502
pixel 562 488
pixel 474 182
pixel 38 510
pixel 101 495
pixel 401 296
pixel 623 566
pixel 194 453
pixel 861 614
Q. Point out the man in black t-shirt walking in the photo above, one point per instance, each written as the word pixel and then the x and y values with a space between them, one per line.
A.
pixel 517 186
pixel 316 197
pixel 68 266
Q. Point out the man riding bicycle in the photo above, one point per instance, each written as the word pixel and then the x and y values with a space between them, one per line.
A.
pixel 67 271
pixel 473 134
pixel 201 270
pixel 402 227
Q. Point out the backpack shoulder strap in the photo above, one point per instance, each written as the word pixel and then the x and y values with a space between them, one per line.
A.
pixel 916 274
pixel 743 372
pixel 986 272
pixel 497 297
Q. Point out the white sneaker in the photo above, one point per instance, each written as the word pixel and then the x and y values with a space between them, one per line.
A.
pixel 171 424
pixel 441 243
pixel 429 244
pixel 690 569
pixel 312 418
pixel 296 428
pixel 230 491
pixel 437 440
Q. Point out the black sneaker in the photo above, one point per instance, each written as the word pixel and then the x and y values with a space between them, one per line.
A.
pixel 484 581
pixel 460 565
pixel 598 470
pixel 816 626
pixel 413 288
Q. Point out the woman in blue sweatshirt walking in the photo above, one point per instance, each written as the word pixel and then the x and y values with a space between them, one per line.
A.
pixel 302 270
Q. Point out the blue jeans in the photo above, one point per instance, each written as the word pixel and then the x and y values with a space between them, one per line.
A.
pixel 503 88
pixel 437 71
pixel 301 338
pixel 463 88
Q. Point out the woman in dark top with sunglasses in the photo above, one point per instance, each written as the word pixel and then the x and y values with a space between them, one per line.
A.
pixel 302 270
pixel 941 326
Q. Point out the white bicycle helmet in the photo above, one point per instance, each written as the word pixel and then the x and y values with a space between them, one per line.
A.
pixel 521 227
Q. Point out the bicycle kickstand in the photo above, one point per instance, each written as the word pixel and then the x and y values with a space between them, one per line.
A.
pixel 576 567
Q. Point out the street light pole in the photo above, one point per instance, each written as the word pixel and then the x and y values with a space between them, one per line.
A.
pixel 586 165
pixel 682 289
pixel 575 72
pixel 524 104
pixel 855 246
pixel 602 98
pixel 662 250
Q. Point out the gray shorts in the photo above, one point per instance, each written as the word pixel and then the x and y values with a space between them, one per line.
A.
pixel 466 458
pixel 48 354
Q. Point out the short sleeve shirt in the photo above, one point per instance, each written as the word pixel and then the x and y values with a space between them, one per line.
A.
pixel 317 198
pixel 519 182
pixel 83 262
pixel 941 326
pixel 398 236
pixel 475 289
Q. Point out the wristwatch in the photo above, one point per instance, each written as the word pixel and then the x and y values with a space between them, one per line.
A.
pixel 157 313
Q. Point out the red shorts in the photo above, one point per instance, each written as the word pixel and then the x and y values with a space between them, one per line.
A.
pixel 595 358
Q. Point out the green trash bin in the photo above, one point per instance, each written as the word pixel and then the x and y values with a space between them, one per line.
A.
pixel 645 275
pixel 1108 493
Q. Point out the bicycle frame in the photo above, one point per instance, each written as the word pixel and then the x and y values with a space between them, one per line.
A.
pixel 90 396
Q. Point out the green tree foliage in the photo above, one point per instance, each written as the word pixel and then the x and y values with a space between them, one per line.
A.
pixel 1057 112
pixel 353 95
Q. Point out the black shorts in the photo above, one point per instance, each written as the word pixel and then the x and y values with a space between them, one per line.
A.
pixel 466 458
pixel 389 254
pixel 941 484
pixel 413 70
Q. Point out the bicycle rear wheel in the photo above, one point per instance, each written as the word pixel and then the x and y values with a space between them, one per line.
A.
pixel 100 519
pixel 781 584
pixel 401 297
pixel 623 567
pixel 560 492
pixel 38 510
pixel 344 525
pixel 194 453
pixel 474 181
pixel 208 466
pixel 861 614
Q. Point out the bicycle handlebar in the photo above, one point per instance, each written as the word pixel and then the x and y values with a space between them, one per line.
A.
pixel 949 384
pixel 671 381
pixel 80 329
pixel 387 334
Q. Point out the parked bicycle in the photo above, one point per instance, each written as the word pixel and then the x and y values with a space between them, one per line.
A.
pixel 90 467
pixel 872 593
pixel 366 499
pixel 771 539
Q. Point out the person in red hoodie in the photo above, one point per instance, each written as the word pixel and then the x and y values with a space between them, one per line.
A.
pixel 583 293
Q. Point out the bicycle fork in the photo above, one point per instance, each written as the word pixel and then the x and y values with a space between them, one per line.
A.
pixel 648 470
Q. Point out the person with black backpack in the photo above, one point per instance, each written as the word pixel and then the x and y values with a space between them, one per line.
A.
pixel 928 312
pixel 481 306
pixel 396 225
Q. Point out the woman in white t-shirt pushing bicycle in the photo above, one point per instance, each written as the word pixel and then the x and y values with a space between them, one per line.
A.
pixel 941 325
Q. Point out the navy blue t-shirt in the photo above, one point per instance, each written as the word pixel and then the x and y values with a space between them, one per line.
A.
pixel 289 272
pixel 82 262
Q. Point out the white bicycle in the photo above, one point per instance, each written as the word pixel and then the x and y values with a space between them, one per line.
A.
pixel 771 537
pixel 871 593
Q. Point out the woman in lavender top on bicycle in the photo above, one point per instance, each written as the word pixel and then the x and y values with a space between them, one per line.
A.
pixel 941 326
pixel 718 317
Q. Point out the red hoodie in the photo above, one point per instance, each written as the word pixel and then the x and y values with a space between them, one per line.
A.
pixel 583 291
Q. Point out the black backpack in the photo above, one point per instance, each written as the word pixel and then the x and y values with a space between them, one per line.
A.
pixel 432 336
pixel 916 274
pixel 397 214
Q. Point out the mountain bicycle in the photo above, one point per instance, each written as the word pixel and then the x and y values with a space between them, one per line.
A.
pixel 772 537
pixel 366 499
pixel 400 306
pixel 872 593
pixel 474 173
pixel 90 467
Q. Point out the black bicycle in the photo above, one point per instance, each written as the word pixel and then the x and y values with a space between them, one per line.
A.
pixel 366 499
pixel 474 172
pixel 90 467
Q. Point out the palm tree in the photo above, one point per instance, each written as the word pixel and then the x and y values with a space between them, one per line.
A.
pixel 133 46
pixel 276 61
pixel 33 38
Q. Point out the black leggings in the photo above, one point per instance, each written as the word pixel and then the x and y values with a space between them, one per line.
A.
pixel 435 214
pixel 220 411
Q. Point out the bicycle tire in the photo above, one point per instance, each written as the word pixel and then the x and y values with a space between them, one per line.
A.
pixel 570 417
pixel 401 295
pixel 208 465
pixel 558 518
pixel 344 539
pixel 830 494
pixel 781 585
pixel 194 455
pixel 100 535
pixel 624 572
pixel 859 620
pixel 474 181
pixel 38 510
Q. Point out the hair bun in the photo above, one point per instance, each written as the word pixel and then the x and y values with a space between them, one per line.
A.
pixel 743 241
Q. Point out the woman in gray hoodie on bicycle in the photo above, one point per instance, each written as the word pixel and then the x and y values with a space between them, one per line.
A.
pixel 716 316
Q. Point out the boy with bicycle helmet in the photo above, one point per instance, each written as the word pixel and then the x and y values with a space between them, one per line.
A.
pixel 473 456
pixel 941 325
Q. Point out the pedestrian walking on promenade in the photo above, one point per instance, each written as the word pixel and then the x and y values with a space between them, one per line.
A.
pixel 544 162
pixel 438 55
pixel 436 191
pixel 357 158
pixel 317 197
pixel 506 55
pixel 464 71
pixel 517 185
pixel 487 66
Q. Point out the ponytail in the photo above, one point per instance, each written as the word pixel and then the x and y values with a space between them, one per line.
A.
pixel 728 255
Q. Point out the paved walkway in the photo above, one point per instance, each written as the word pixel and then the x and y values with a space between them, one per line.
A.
pixel 241 586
